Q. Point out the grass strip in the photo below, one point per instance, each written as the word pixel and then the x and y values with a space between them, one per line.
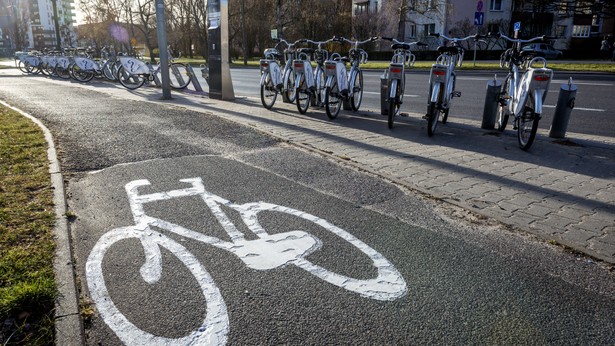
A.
pixel 27 247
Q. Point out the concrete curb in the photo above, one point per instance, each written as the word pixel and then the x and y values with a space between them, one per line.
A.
pixel 68 324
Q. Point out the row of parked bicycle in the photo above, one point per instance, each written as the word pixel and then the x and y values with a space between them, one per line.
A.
pixel 310 76
pixel 77 63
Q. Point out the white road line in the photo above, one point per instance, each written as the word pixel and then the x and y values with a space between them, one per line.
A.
pixel 580 108
pixel 582 83
pixel 376 93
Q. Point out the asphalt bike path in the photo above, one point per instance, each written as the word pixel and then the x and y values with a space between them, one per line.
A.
pixel 252 241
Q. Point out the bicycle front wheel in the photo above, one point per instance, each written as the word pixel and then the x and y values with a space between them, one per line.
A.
pixel 268 91
pixel 527 127
pixel 129 81
pixel 178 74
pixel 215 326
pixel 357 91
pixel 333 101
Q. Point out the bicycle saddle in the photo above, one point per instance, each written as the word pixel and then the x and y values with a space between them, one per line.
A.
pixel 449 49
pixel 403 46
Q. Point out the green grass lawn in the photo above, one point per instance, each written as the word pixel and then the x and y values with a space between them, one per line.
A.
pixel 27 247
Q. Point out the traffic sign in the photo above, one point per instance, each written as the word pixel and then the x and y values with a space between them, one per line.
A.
pixel 479 18
pixel 518 26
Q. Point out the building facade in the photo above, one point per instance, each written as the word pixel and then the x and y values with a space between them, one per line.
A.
pixel 31 24
pixel 577 24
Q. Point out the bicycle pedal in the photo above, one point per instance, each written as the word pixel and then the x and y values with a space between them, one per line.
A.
pixel 456 93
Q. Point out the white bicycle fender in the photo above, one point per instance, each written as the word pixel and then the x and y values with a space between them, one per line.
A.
pixel 538 97
pixel 342 79
pixel 435 90
pixel 276 73
pixel 393 89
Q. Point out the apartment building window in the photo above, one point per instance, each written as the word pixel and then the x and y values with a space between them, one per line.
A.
pixel 496 5
pixel 429 29
pixel 361 8
pixel 411 30
pixel 581 30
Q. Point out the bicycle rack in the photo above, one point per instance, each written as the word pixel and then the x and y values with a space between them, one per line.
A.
pixel 177 74
pixel 195 82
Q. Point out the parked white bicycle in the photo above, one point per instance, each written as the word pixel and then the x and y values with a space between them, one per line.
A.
pixel 274 80
pixel 134 72
pixel 442 80
pixel 268 251
pixel 523 96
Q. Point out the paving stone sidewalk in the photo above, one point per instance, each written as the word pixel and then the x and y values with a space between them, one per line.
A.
pixel 561 190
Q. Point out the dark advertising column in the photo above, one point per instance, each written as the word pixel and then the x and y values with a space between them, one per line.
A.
pixel 220 82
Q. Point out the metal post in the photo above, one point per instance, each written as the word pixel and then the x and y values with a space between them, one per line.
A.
pixel 163 50
pixel 490 110
pixel 56 21
pixel 565 104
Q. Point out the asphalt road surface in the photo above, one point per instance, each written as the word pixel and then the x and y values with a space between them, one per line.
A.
pixel 191 228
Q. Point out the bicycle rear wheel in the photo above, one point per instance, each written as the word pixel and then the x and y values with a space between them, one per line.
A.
pixel 320 87
pixel 179 76
pixel 357 91
pixel 289 88
pixel 130 81
pixel 333 101
pixel 502 118
pixel 394 106
pixel 432 118
pixel 268 91
pixel 527 127
pixel 303 96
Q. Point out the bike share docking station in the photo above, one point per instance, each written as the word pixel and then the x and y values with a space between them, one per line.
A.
pixel 565 104
pixel 220 82
pixel 490 109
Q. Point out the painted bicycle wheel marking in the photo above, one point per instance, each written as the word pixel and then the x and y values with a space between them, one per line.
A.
pixel 269 251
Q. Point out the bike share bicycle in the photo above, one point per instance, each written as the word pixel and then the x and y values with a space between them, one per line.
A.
pixel 310 82
pixel 523 96
pixel 275 81
pixel 442 80
pixel 342 86
pixel 134 72
pixel 396 75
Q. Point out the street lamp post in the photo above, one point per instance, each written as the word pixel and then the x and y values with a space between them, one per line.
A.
pixel 57 24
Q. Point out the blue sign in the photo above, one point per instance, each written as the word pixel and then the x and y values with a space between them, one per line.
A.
pixel 518 26
pixel 479 18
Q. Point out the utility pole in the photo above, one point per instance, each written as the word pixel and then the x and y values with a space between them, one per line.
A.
pixel 163 50
pixel 56 21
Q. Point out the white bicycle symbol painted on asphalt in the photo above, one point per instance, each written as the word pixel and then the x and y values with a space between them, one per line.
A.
pixel 269 251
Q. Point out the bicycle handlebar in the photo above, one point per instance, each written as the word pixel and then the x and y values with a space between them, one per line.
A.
pixel 417 43
pixel 454 39
pixel 518 40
